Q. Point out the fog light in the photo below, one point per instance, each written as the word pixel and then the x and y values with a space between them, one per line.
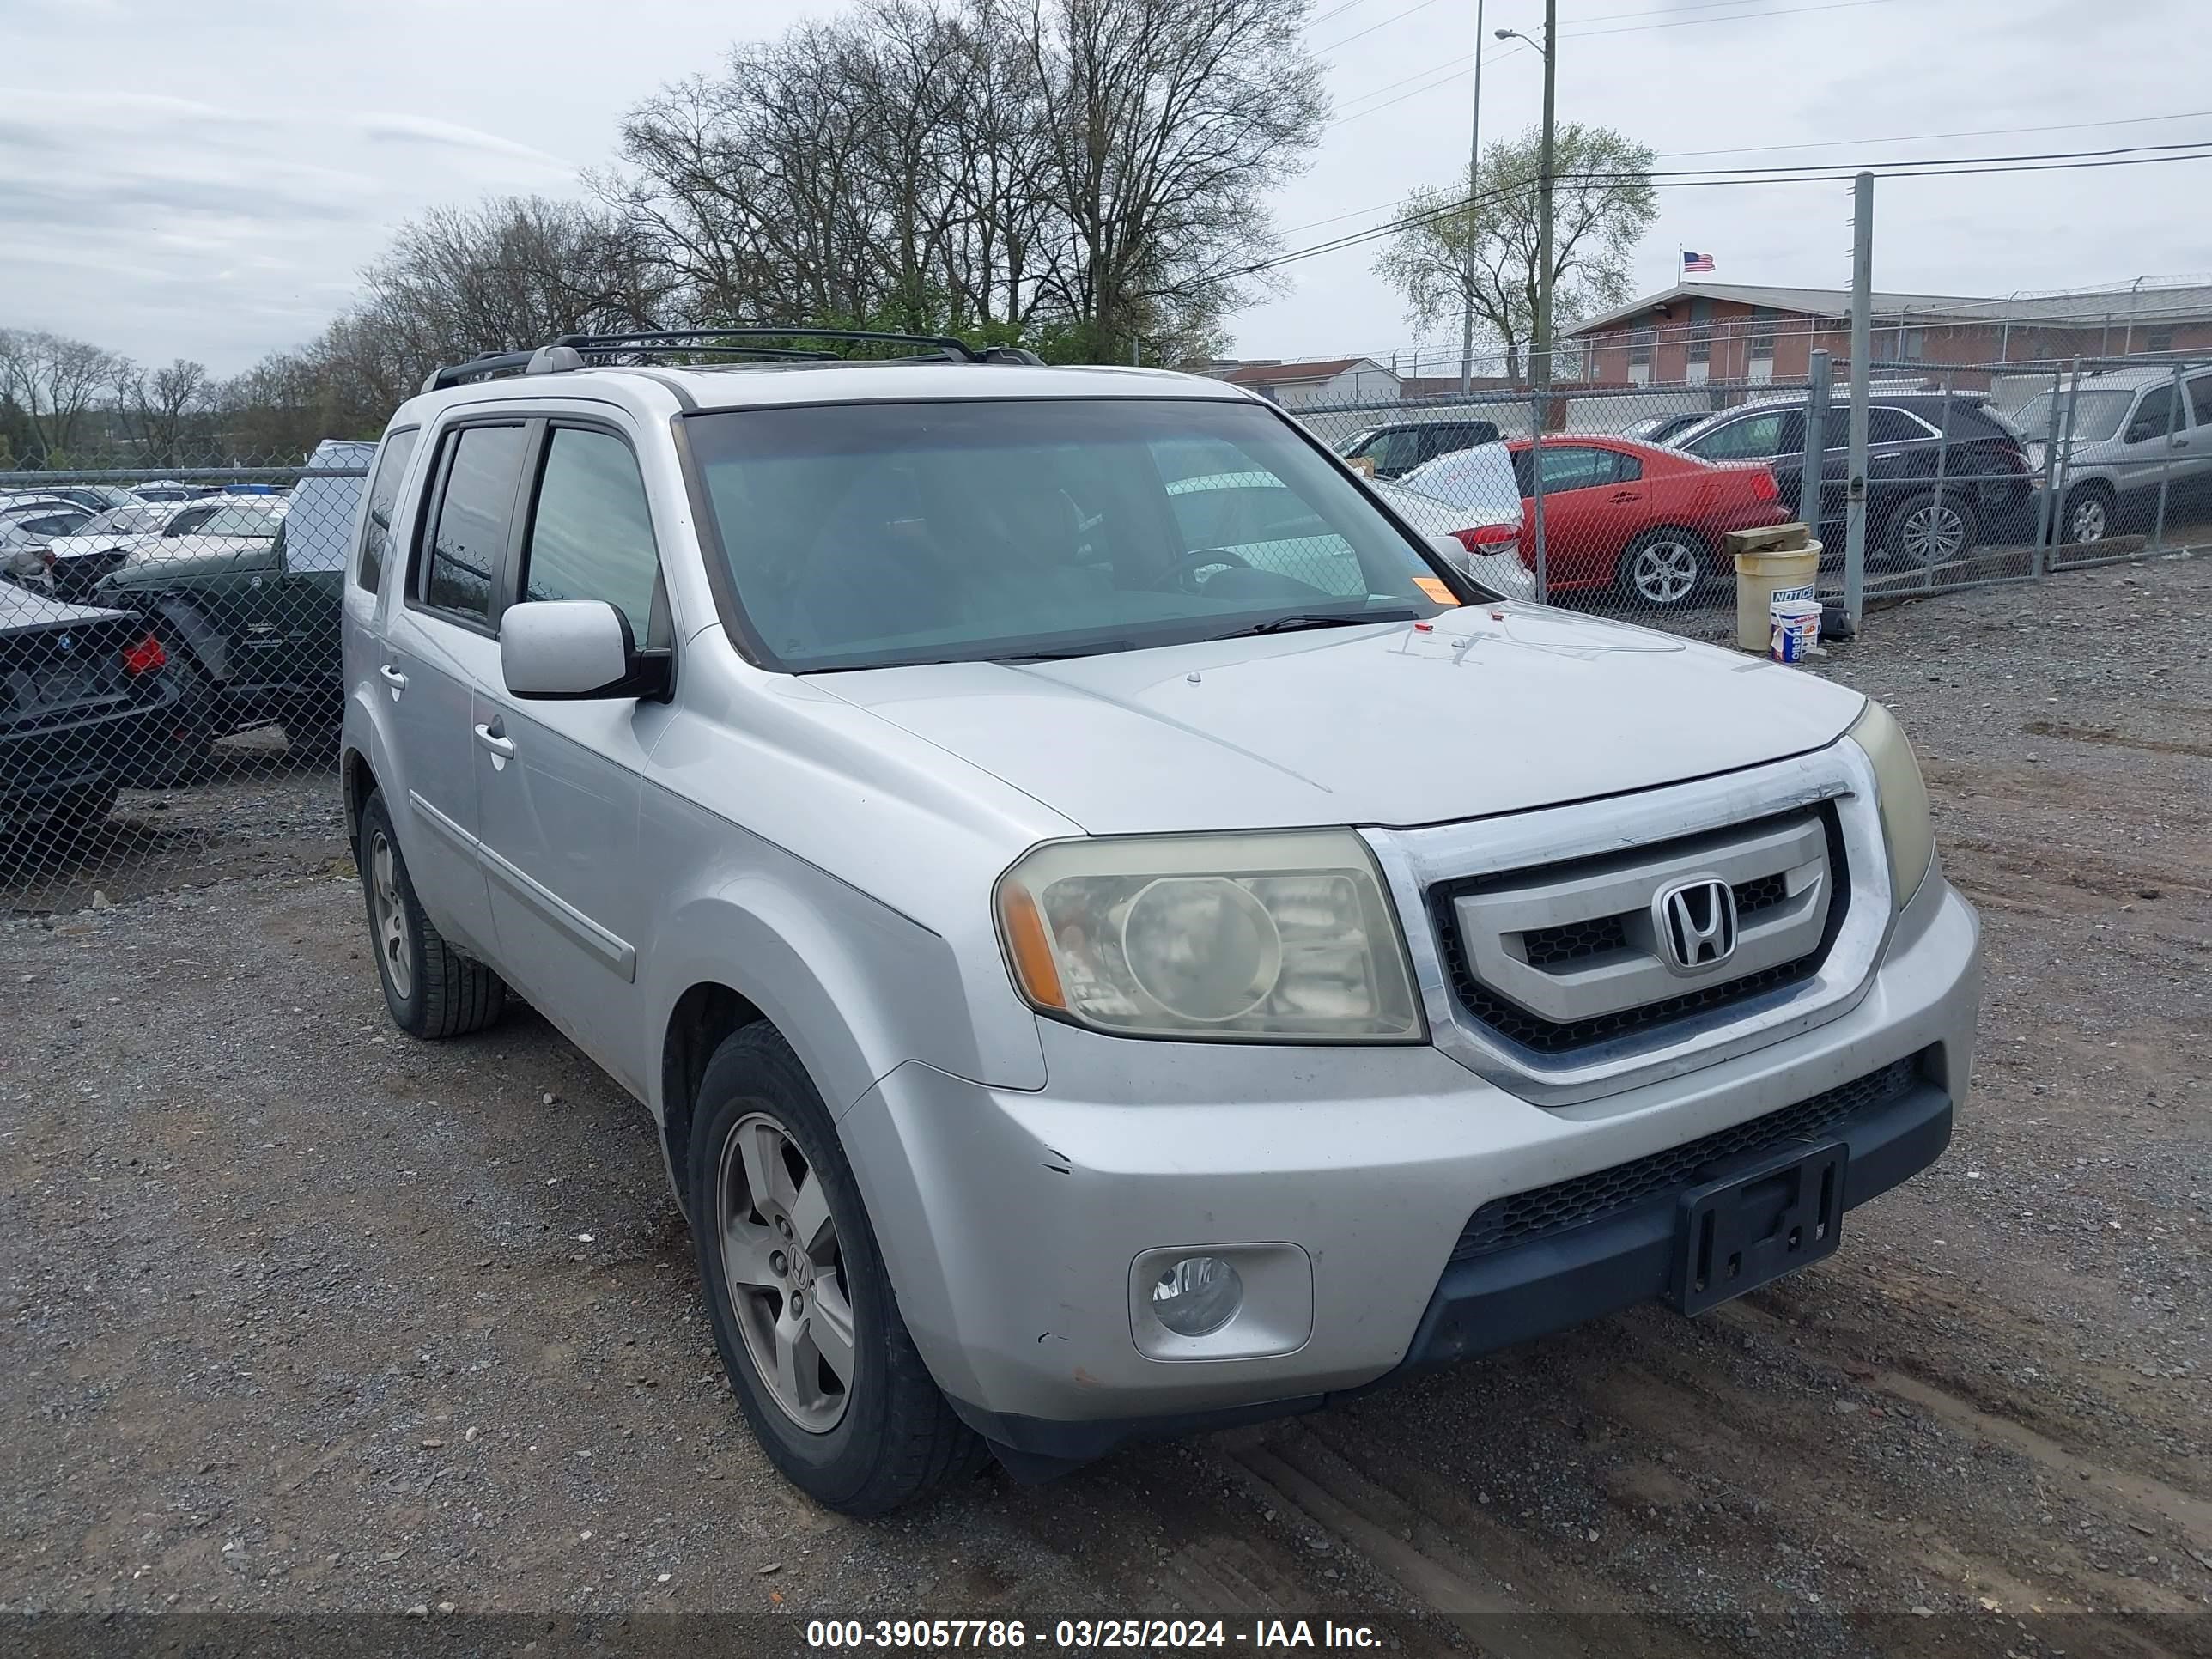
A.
pixel 1197 1296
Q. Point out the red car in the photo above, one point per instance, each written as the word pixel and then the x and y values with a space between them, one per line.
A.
pixel 1641 519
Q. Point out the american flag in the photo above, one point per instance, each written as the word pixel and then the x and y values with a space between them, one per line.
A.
pixel 1696 262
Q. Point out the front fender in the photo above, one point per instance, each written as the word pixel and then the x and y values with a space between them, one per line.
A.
pixel 856 988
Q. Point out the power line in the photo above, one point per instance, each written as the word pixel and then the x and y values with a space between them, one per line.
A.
pixel 1922 137
pixel 1418 5
pixel 1803 173
pixel 1447 73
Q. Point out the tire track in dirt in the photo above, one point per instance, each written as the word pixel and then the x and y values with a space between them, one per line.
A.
pixel 2189 1514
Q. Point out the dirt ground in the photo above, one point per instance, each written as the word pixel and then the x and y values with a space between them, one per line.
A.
pixel 303 1316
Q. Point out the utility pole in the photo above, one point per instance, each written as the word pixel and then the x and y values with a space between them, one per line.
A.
pixel 1862 351
pixel 1474 176
pixel 1543 331
pixel 1539 353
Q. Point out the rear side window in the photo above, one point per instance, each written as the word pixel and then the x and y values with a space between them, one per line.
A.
pixel 1776 432
pixel 590 536
pixel 383 497
pixel 475 510
pixel 1892 426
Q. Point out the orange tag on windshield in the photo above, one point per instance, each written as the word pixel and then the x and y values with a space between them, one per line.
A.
pixel 1435 588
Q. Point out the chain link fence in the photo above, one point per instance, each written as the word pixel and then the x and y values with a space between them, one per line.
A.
pixel 159 635
pixel 165 636
pixel 1975 473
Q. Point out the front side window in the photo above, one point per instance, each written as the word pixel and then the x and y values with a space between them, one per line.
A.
pixel 383 500
pixel 2200 398
pixel 869 535
pixel 590 535
pixel 2155 416
pixel 473 518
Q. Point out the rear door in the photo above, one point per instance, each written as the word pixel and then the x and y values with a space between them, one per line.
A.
pixel 440 643
pixel 560 783
pixel 1592 508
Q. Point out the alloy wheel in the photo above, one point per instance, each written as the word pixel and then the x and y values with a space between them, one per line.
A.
pixel 391 915
pixel 2087 520
pixel 1933 534
pixel 1664 572
pixel 784 1271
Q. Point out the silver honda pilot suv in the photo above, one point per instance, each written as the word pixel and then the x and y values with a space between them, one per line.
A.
pixel 1118 934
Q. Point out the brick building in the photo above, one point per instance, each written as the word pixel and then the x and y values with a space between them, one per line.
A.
pixel 1724 331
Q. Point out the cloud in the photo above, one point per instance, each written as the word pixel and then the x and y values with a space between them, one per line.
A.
pixel 427 130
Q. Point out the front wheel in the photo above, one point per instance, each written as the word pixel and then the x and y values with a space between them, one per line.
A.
pixel 1662 568
pixel 801 1305
pixel 2088 517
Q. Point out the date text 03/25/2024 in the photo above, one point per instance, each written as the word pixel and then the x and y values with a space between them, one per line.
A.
pixel 1000 1634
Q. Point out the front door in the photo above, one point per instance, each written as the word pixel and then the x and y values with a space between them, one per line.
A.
pixel 562 783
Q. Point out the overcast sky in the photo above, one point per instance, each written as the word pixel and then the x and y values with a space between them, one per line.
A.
pixel 206 181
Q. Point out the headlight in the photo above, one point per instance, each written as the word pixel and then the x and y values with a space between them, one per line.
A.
pixel 1906 827
pixel 1282 936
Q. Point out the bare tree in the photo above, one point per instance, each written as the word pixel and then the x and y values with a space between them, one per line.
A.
pixel 158 409
pixel 1171 121
pixel 511 273
pixel 1602 204
pixel 55 382
pixel 1090 170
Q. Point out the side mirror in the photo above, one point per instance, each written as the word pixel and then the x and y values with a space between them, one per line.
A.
pixel 570 650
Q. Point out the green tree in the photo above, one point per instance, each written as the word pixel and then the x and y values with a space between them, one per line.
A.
pixel 1603 203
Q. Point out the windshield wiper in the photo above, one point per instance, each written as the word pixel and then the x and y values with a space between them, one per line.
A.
pixel 1318 619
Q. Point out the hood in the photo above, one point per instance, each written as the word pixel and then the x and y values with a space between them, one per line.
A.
pixel 1378 724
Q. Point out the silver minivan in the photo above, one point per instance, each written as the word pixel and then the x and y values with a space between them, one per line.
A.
pixel 1117 931
pixel 2132 433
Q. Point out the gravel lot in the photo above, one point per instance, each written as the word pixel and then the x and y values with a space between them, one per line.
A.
pixel 304 1316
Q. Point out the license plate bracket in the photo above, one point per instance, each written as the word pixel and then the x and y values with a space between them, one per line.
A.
pixel 1750 1227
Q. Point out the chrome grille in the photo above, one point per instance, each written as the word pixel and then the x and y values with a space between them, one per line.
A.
pixel 1564 957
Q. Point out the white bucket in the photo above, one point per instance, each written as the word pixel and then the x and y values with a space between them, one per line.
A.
pixel 1796 628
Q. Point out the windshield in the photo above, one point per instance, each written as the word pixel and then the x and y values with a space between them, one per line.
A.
pixel 2097 415
pixel 127 521
pixel 864 535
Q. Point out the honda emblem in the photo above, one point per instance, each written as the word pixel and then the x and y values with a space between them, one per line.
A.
pixel 1695 921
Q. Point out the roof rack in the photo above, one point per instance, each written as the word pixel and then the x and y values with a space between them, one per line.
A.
pixel 704 339
pixel 570 350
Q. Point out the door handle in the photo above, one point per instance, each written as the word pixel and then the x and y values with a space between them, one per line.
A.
pixel 393 679
pixel 502 748
pixel 1624 495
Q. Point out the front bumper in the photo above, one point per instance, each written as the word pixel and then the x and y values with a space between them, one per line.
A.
pixel 1010 1220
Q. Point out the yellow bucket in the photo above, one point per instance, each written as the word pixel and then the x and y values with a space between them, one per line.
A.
pixel 1763 578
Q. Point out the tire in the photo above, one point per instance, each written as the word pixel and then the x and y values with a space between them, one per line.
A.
pixel 1662 569
pixel 431 988
pixel 1930 530
pixel 2087 516
pixel 883 1436
pixel 82 811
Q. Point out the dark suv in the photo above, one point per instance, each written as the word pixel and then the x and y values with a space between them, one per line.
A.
pixel 1928 500
pixel 252 626
pixel 1398 448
